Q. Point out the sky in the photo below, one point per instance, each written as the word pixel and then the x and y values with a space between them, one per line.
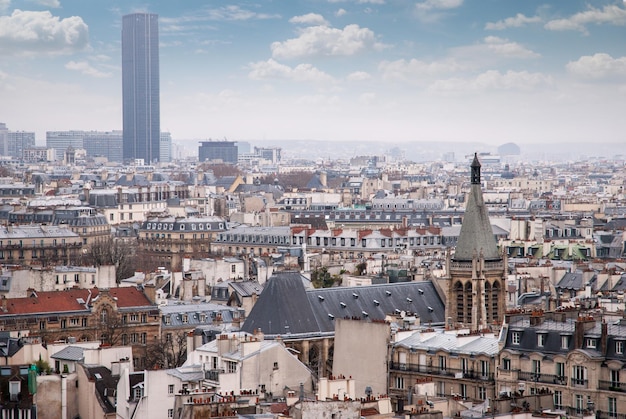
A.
pixel 492 71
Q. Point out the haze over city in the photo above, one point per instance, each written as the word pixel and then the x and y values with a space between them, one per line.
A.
pixel 366 70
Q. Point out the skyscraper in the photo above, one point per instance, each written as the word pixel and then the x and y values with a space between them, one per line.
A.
pixel 140 86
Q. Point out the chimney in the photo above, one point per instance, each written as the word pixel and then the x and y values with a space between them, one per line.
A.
pixel 582 325
pixel 603 338
pixel 150 292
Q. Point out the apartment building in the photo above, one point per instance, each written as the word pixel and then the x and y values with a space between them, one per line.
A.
pixel 41 245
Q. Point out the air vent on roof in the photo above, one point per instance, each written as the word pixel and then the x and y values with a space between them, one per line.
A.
pixel 355 295
pixel 342 304
pixel 320 297
pixel 388 292
pixel 365 313
pixel 397 310
pixel 377 302
pixel 409 300
pixel 330 316
pixel 421 291
pixel 430 309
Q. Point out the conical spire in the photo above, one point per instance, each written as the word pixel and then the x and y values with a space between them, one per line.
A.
pixel 476 237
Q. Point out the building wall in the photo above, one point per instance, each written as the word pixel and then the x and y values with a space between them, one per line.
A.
pixel 369 367
pixel 50 398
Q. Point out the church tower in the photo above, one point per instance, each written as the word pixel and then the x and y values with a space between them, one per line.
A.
pixel 476 270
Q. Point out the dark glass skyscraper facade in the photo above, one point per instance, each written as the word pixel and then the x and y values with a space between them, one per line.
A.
pixel 140 86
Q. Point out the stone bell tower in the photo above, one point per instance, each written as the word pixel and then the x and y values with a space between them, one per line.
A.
pixel 476 270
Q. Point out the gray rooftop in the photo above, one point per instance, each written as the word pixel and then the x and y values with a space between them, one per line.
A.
pixel 70 353
pixel 285 307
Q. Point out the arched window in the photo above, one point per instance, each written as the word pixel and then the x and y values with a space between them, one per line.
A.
pixel 104 315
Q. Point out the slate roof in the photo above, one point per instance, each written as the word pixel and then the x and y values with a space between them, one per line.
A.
pixel 476 233
pixel 572 281
pixel 286 307
pixel 105 382
pixel 70 353
pixel 9 346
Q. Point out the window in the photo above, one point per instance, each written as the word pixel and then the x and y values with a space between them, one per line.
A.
pixel 143 338
pixel 170 413
pixel 612 407
pixel 579 375
pixel 591 343
pixel 558 399
pixel 560 370
pixel 506 364
pixel 515 338
pixel 400 382
pixel 137 393
pixel 170 389
pixel 233 268
pixel 619 347
pixel 536 367
pixel 482 393
pixel 231 367
pixel 565 342
pixel 124 339
pixel 541 339
pixel 134 317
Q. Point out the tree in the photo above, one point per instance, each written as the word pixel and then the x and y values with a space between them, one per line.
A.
pixel 321 278
pixel 112 251
pixel 111 327
pixel 169 352
pixel 221 169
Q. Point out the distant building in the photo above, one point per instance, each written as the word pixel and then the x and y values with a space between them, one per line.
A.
pixel 4 139
pixel 104 144
pixel 225 151
pixel 140 87
pixel 60 141
pixel 39 154
pixel 269 153
pixel 165 147
pixel 18 141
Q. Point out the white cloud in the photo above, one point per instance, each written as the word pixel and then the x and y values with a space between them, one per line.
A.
pixel 323 40
pixel 438 4
pixel 272 69
pixel 358 76
pixel 309 19
pixel 359 1
pixel 413 71
pixel 367 98
pixel 502 46
pixel 610 14
pixel 85 68
pixel 512 22
pixel 4 5
pixel 340 12
pixel 225 13
pixel 598 66
pixel 318 100
pixel 494 80
pixel 50 3
pixel 27 33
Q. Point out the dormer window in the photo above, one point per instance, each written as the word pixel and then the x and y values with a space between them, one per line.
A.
pixel 591 343
pixel 541 339
pixel 565 342
pixel 516 337
pixel 619 347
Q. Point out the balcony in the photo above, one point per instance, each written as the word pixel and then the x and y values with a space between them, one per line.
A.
pixel 541 378
pixel 446 372
pixel 579 383
pixel 612 386
pixel 609 415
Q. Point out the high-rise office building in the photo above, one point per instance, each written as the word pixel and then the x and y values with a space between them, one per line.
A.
pixel 225 151
pixel 166 147
pixel 96 143
pixel 140 87
pixel 18 141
